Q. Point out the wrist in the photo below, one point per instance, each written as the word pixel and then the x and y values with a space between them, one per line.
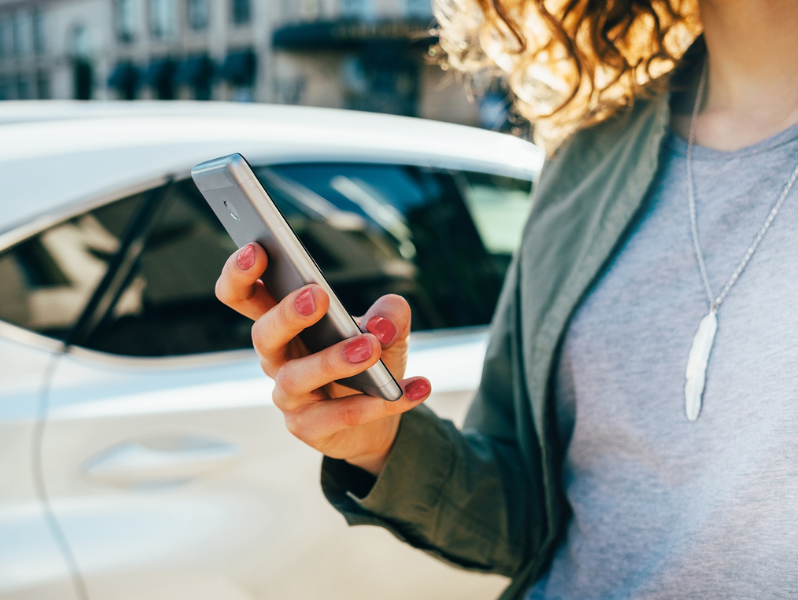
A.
pixel 373 464
pixel 374 461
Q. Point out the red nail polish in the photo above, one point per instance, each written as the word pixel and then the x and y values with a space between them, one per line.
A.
pixel 416 390
pixel 304 303
pixel 246 257
pixel 358 350
pixel 382 329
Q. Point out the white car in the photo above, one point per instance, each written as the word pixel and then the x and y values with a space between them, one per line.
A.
pixel 140 454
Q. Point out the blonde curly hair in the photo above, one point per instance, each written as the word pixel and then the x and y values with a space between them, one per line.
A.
pixel 569 63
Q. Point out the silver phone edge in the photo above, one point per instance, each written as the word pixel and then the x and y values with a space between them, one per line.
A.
pixel 298 256
pixel 220 173
pixel 240 171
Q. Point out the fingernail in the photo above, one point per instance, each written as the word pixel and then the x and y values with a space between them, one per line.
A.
pixel 246 257
pixel 382 329
pixel 304 303
pixel 358 350
pixel 416 390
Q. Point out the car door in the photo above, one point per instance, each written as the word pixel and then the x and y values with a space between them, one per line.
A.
pixel 31 563
pixel 156 439
pixel 41 299
pixel 167 466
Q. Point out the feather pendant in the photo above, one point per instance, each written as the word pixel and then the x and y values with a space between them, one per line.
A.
pixel 697 363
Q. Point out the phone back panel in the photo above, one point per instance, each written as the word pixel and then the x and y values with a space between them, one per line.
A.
pixel 249 215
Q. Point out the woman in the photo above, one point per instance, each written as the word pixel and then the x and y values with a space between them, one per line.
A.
pixel 607 453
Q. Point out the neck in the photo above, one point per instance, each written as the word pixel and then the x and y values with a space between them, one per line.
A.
pixel 752 89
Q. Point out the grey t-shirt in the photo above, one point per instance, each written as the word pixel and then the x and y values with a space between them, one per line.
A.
pixel 664 508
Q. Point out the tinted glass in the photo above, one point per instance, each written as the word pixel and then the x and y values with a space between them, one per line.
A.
pixel 163 16
pixel 48 279
pixel 241 11
pixel 499 207
pixel 373 230
pixel 125 14
pixel 376 229
pixel 198 14
pixel 167 306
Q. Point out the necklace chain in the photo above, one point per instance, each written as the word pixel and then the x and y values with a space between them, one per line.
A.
pixel 715 303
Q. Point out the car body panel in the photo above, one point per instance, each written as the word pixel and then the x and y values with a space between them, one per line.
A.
pixel 246 518
pixel 30 561
pixel 91 156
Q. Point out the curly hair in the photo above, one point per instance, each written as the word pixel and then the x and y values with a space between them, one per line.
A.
pixel 569 63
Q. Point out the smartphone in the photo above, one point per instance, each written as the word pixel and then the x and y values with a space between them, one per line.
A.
pixel 248 213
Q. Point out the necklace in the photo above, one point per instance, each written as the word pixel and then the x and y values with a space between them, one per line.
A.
pixel 698 359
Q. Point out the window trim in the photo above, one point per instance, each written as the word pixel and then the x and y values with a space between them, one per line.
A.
pixel 19 233
pixel 18 334
pixel 162 362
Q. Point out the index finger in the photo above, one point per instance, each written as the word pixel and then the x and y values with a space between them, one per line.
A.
pixel 239 286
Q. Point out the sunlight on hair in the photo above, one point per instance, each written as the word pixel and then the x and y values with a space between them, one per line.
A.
pixel 569 63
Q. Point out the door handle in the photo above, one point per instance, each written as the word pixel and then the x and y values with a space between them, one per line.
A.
pixel 159 461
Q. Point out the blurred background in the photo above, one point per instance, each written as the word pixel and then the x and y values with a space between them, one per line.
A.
pixel 371 55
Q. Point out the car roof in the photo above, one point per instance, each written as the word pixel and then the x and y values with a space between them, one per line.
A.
pixel 57 153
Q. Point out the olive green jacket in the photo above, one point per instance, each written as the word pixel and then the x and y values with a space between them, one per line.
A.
pixel 489 497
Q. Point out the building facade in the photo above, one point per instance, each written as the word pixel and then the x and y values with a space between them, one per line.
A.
pixel 359 54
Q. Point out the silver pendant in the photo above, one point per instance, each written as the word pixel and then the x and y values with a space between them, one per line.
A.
pixel 697 362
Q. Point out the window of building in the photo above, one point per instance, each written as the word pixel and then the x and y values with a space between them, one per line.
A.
pixel 24 89
pixel 163 18
pixel 6 37
pixel 7 91
pixel 160 78
pixel 239 70
pixel 355 9
pixel 39 33
pixel 42 85
pixel 23 34
pixel 80 48
pixel 198 14
pixel 49 278
pixel 241 11
pixel 418 8
pixel 196 74
pixel 309 10
pixel 80 42
pixel 125 14
pixel 125 79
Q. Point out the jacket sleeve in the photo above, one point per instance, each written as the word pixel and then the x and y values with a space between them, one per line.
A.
pixel 466 497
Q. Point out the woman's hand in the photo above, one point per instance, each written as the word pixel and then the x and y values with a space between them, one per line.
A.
pixel 336 420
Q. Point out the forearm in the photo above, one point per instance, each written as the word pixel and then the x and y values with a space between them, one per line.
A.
pixel 460 496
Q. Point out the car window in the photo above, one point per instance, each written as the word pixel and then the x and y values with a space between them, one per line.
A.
pixel 410 231
pixel 373 230
pixel 48 279
pixel 499 206
pixel 168 306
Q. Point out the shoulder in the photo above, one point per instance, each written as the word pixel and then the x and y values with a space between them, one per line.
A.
pixel 618 143
pixel 598 162
pixel 587 193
